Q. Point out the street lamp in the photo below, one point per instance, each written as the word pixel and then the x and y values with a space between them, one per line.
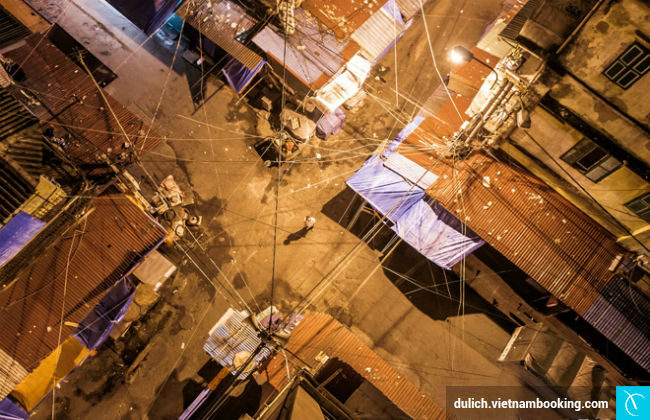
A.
pixel 460 54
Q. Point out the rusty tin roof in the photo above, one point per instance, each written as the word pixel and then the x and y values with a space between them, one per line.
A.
pixel 522 217
pixel 322 333
pixel 70 100
pixel 82 265
pixel 343 17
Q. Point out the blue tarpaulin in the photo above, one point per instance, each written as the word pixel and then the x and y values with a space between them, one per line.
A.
pixel 147 15
pixel 391 8
pixel 330 124
pixel 15 234
pixel 98 324
pixel 238 75
pixel 436 234
pixel 420 222
pixel 10 411
pixel 406 131
pixel 384 189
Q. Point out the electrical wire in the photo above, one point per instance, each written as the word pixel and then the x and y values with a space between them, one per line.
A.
pixel 621 225
pixel 278 194
pixel 58 345
pixel 334 272
pixel 220 193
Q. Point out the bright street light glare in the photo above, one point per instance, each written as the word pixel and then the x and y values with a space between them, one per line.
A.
pixel 456 58
pixel 460 54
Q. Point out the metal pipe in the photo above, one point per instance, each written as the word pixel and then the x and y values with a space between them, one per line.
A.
pixel 493 96
pixel 489 107
pixel 508 114
pixel 579 27
pixel 502 94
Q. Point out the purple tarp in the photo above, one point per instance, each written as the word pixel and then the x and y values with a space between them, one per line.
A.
pixel 238 75
pixel 10 411
pixel 436 234
pixel 330 124
pixel 620 313
pixel 198 401
pixel 428 228
pixel 98 324
pixel 402 135
pixel 208 47
pixel 384 189
pixel 146 15
pixel 15 234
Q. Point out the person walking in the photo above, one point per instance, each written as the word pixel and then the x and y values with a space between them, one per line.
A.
pixel 309 223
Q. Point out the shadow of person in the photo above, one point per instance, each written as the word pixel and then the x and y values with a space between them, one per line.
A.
pixel 296 235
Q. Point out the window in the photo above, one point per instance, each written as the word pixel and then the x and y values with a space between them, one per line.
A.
pixel 629 66
pixel 591 160
pixel 641 207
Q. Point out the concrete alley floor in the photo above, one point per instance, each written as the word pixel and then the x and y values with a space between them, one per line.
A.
pixel 428 337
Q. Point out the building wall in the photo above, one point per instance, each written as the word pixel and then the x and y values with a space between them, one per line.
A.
pixel 613 191
pixel 606 35
pixel 621 115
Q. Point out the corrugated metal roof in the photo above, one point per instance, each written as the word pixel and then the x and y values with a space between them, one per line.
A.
pixel 524 219
pixel 232 335
pixel 512 30
pixel 342 16
pixel 86 261
pixel 15 189
pixel 70 99
pixel 14 117
pixel 378 33
pixel 11 30
pixel 313 53
pixel 490 40
pixel 222 22
pixel 322 333
pixel 410 8
pixel 621 315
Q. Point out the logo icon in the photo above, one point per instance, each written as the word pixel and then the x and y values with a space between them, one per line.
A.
pixel 631 398
pixel 631 403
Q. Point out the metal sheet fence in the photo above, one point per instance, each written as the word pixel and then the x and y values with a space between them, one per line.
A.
pixel 620 313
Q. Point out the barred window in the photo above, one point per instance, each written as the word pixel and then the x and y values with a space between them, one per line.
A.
pixel 641 206
pixel 591 160
pixel 629 66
